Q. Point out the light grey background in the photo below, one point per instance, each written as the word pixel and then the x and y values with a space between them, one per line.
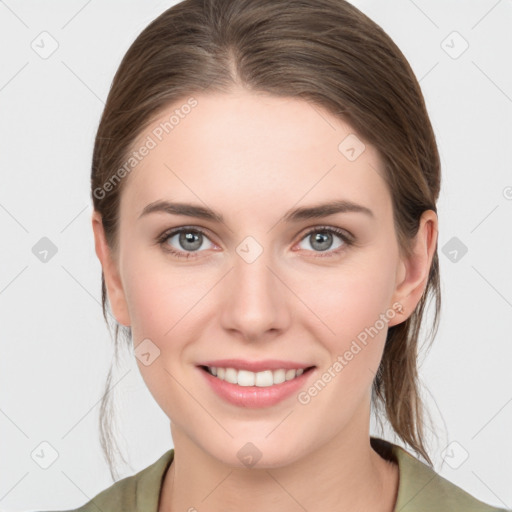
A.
pixel 55 346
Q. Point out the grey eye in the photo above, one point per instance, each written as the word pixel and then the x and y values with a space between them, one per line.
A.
pixel 321 240
pixel 188 240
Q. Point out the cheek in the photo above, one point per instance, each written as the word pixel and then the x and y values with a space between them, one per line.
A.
pixel 159 294
pixel 351 313
pixel 349 299
pixel 161 301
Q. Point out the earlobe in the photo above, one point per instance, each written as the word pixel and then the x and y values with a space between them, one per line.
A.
pixel 413 275
pixel 110 272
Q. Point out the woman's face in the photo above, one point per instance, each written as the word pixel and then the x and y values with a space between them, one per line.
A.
pixel 256 286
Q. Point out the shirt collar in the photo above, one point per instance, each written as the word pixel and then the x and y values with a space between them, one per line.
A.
pixel 420 488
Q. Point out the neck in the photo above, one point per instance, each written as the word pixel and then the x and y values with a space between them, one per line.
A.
pixel 344 474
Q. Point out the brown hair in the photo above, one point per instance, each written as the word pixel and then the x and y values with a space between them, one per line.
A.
pixel 326 52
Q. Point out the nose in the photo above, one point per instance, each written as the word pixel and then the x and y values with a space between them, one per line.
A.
pixel 256 302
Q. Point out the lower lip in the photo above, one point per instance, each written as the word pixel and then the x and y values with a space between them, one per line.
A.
pixel 255 396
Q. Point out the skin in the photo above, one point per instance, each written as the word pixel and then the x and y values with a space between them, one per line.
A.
pixel 252 158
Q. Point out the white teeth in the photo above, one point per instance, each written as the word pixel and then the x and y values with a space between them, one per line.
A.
pixel 230 375
pixel 279 376
pixel 261 379
pixel 244 378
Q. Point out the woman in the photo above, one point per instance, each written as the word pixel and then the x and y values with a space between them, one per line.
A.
pixel 264 182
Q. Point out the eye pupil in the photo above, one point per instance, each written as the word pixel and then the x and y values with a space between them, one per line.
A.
pixel 190 237
pixel 322 238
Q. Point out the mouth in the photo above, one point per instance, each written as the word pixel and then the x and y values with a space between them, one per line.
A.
pixel 247 378
pixel 261 389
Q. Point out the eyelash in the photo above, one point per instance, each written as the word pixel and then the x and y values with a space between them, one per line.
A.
pixel 347 240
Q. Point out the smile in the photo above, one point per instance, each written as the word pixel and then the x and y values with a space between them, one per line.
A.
pixel 262 379
pixel 247 389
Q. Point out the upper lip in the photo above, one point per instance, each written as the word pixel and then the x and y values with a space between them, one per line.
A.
pixel 255 366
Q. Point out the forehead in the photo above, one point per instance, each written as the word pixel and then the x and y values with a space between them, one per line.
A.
pixel 244 150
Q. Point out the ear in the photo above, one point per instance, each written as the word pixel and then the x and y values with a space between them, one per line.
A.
pixel 110 272
pixel 413 271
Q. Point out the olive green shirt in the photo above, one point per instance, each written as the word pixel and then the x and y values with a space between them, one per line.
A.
pixel 420 488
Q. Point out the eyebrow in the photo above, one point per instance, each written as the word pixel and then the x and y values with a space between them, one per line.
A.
pixel 295 215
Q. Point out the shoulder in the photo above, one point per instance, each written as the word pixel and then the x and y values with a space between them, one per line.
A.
pixel 140 491
pixel 421 489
